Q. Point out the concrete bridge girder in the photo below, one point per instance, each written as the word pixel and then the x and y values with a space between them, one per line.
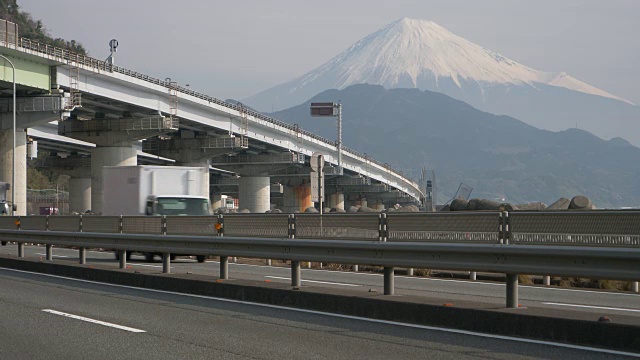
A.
pixel 258 165
pixel 116 132
pixel 194 149
pixel 31 111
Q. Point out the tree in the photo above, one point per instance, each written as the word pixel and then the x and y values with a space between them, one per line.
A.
pixel 34 29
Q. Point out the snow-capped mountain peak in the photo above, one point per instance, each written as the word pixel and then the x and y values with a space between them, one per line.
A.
pixel 413 53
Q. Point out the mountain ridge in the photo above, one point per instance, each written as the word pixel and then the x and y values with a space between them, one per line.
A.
pixel 501 157
pixel 421 54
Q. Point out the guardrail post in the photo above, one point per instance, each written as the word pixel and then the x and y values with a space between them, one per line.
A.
pixel 123 259
pixel 546 280
pixel 20 249
pixel 355 268
pixel 49 252
pixel 409 271
pixel 512 291
pixel 383 233
pixel 473 275
pixel 83 255
pixel 506 230
pixel 634 286
pixel 224 267
pixel 295 274
pixel 389 280
pixel 166 263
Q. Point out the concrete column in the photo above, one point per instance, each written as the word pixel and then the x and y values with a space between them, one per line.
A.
pixel 205 177
pixel 378 206
pixel 335 200
pixel 79 195
pixel 216 201
pixel 254 193
pixel 362 202
pixel 107 156
pixel 6 166
pixel 297 198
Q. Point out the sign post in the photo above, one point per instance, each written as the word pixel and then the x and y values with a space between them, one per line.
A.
pixel 333 110
pixel 317 179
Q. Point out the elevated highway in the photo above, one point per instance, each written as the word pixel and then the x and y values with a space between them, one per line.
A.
pixel 88 93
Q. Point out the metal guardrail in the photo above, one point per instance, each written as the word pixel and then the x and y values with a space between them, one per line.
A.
pixel 619 228
pixel 575 228
pixel 71 57
pixel 597 244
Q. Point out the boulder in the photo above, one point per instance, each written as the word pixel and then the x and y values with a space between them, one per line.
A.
pixel 311 210
pixel 353 209
pixel 560 204
pixel 458 204
pixel 365 209
pixel 581 203
pixel 532 206
pixel 409 208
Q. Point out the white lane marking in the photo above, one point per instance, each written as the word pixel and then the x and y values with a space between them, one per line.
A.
pixel 128 263
pixel 424 327
pixel 145 265
pixel 480 283
pixel 94 321
pixel 58 256
pixel 312 281
pixel 592 307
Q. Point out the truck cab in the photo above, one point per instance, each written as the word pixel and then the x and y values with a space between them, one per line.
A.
pixel 177 205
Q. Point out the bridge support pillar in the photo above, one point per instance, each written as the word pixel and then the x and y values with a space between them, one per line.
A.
pixel 254 193
pixel 336 201
pixel 6 166
pixel 297 198
pixel 360 202
pixel 216 202
pixel 389 280
pixel 79 195
pixel 512 291
pixel 107 156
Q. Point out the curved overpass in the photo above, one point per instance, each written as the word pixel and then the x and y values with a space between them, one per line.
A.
pixel 106 83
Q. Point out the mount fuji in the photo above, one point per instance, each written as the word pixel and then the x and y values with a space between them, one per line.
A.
pixel 421 54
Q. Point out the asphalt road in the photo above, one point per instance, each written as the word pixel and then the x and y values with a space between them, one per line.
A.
pixel 48 317
pixel 596 302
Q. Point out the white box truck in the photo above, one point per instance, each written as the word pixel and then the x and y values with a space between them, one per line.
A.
pixel 155 190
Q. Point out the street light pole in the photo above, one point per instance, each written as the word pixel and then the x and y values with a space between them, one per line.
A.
pixel 13 153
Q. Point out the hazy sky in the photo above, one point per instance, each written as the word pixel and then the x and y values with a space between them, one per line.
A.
pixel 233 49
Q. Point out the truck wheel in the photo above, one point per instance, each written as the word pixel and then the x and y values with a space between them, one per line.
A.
pixel 149 257
pixel 200 258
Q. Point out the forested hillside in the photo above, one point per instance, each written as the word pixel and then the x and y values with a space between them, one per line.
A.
pixel 34 29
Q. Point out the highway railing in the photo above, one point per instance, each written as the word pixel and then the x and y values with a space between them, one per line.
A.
pixel 606 246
